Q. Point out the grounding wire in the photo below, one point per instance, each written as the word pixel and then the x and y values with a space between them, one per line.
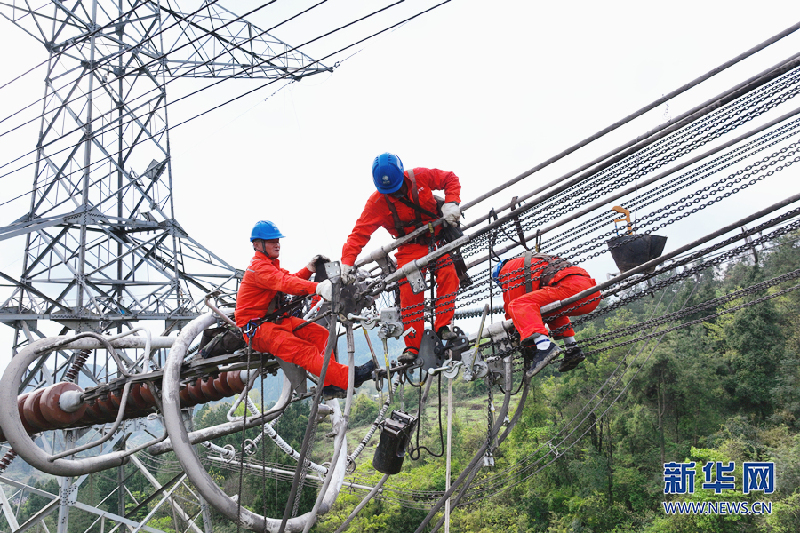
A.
pixel 98 132
pixel 264 85
pixel 157 90
pixel 29 71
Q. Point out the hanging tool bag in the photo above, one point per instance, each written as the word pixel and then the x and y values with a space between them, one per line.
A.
pixel 396 433
pixel 220 340
pixel 447 235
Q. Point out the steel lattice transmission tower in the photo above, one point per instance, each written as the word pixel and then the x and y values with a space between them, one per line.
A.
pixel 102 247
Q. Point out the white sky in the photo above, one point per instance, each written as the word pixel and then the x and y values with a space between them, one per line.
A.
pixel 486 89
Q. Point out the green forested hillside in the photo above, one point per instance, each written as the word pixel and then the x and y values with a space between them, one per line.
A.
pixel 589 451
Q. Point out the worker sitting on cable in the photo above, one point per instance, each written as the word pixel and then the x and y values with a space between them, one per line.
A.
pixel 261 293
pixel 403 202
pixel 532 281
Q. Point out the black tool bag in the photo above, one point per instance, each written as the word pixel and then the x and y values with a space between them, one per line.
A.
pixel 447 235
pixel 220 340
pixel 396 433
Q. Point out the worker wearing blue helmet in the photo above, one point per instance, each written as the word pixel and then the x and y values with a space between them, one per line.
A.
pixel 261 294
pixel 533 280
pixel 403 202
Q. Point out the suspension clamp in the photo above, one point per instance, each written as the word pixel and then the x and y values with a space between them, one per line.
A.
pixel 415 279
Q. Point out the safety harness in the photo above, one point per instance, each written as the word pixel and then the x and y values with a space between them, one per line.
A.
pixel 447 234
pixel 276 311
pixel 401 226
pixel 554 264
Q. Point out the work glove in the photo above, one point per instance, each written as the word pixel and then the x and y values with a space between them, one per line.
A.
pixel 312 265
pixel 325 289
pixel 451 213
pixel 348 273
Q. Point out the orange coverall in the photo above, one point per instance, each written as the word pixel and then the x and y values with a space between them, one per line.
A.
pixel 524 308
pixel 377 214
pixel 262 281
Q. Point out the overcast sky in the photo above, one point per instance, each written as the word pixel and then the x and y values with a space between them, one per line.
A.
pixel 487 92
pixel 485 89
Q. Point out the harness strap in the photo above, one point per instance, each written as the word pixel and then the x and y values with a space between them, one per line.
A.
pixel 527 269
pixel 399 225
pixel 518 225
pixel 275 303
pixel 275 313
pixel 553 265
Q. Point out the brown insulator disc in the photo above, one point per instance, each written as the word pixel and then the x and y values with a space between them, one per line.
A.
pixel 235 381
pixel 221 384
pixel 137 398
pixel 209 391
pixel 33 413
pixel 51 406
pixel 195 393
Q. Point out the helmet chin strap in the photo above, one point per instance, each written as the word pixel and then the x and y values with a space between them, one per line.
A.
pixel 263 248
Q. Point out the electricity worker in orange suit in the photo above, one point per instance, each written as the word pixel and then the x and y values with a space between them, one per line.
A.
pixel 403 202
pixel 530 282
pixel 261 294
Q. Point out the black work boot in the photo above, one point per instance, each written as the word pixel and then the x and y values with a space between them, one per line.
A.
pixel 531 340
pixel 408 356
pixel 330 392
pixel 572 357
pixel 541 359
pixel 363 373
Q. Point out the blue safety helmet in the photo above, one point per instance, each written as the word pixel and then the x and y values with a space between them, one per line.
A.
pixel 387 173
pixel 497 269
pixel 265 230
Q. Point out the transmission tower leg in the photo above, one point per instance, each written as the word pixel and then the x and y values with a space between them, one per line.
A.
pixel 177 510
pixel 8 511
pixel 120 490
pixel 207 524
pixel 449 452
pixel 63 510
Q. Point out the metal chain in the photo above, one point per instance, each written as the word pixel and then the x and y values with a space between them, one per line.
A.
pixel 698 321
pixel 691 137
pixel 716 302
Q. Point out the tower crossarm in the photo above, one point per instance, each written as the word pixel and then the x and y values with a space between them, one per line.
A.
pixel 210 42
pixel 224 45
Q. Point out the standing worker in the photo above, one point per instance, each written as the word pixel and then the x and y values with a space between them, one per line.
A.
pixel 532 281
pixel 261 294
pixel 403 202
